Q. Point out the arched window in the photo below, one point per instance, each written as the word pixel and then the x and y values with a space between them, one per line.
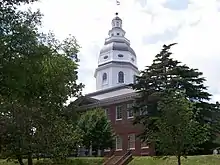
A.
pixel 121 77
pixel 104 77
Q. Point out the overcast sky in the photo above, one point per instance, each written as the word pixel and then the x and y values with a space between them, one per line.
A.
pixel 193 24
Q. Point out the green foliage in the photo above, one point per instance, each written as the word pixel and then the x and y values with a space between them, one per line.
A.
pixel 95 129
pixel 166 73
pixel 38 75
pixel 70 161
pixel 177 132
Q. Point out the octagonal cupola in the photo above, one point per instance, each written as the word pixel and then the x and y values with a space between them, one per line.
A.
pixel 117 62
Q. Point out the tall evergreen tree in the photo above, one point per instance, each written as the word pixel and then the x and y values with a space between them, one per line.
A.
pixel 166 73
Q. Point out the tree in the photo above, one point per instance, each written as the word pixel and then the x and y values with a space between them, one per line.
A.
pixel 166 73
pixel 177 132
pixel 96 130
pixel 38 75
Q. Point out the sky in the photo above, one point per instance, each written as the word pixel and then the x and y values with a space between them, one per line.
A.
pixel 193 24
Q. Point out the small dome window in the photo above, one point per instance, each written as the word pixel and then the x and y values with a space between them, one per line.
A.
pixel 120 55
pixel 104 77
pixel 118 34
pixel 132 59
pixel 105 57
pixel 121 77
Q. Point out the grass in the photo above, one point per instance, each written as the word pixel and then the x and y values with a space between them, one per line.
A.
pixel 191 160
pixel 71 161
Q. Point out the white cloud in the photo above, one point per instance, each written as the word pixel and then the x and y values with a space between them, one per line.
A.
pixel 196 29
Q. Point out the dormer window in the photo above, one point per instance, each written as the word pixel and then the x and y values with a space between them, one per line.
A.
pixel 120 77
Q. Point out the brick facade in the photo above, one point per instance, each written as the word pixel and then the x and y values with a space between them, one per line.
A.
pixel 124 128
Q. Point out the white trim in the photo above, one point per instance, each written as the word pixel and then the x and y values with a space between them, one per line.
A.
pixel 132 142
pixel 118 150
pixel 129 106
pixel 116 143
pixel 116 110
pixel 145 147
pixel 107 150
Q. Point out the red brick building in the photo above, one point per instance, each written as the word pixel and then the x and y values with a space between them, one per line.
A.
pixel 117 67
pixel 119 113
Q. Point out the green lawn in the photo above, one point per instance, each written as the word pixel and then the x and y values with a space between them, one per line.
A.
pixel 191 160
pixel 72 161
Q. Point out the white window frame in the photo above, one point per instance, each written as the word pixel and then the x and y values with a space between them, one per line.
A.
pixel 107 150
pixel 130 136
pixel 116 143
pixel 146 146
pixel 129 106
pixel 116 112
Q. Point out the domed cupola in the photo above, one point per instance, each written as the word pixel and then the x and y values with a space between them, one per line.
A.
pixel 116 56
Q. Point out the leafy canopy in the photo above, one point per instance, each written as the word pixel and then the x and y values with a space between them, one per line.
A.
pixel 38 75
pixel 178 132
pixel 96 129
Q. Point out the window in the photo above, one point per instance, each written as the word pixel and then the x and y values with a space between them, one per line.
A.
pixel 112 34
pixel 119 113
pixel 120 55
pixel 131 141
pixel 105 57
pixel 118 143
pixel 130 112
pixel 118 34
pixel 107 113
pixel 121 77
pixel 117 24
pixel 144 145
pixel 104 77
pixel 132 59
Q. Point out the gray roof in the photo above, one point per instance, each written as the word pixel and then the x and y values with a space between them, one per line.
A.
pixel 112 100
pixel 117 18
pixel 122 86
pixel 117 45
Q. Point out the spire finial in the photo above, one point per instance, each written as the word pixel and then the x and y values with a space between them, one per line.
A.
pixel 117 3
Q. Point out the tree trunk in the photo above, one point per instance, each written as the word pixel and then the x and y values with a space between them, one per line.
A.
pixel 179 160
pixel 30 160
pixel 19 157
